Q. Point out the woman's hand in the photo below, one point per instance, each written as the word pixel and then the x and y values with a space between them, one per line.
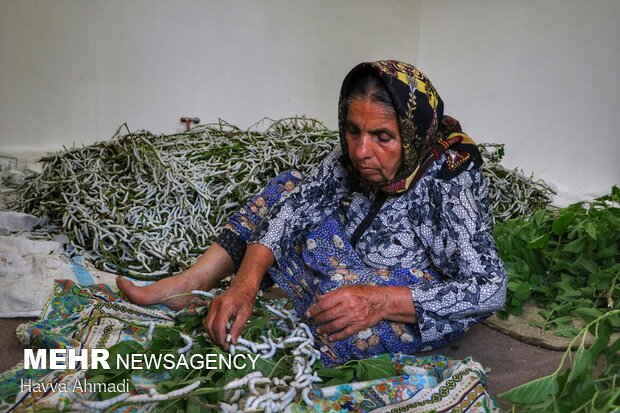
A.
pixel 353 308
pixel 234 303
pixel 348 310
pixel 238 300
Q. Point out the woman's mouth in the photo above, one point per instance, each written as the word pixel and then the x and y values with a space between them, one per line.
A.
pixel 366 170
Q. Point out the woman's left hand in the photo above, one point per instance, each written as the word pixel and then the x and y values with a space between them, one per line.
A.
pixel 348 310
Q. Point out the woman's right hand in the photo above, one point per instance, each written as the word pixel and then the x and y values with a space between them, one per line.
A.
pixel 236 303
pixel 238 300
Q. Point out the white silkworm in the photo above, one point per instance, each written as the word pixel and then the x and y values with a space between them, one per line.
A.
pixel 236 396
pixel 203 293
pixel 149 333
pixel 247 344
pixel 103 404
pixel 189 342
pixel 293 340
pixel 275 311
pixel 305 395
pixel 228 408
pixel 256 402
pixel 242 381
pixel 257 380
pixel 272 351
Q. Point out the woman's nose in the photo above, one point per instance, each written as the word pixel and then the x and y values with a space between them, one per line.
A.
pixel 363 147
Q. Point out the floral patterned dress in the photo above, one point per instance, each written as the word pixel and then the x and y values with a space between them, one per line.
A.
pixel 436 239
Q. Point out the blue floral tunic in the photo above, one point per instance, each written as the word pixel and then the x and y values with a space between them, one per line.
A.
pixel 436 239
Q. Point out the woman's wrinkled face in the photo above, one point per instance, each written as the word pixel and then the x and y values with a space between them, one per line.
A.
pixel 373 138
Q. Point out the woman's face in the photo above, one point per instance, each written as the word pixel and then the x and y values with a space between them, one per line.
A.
pixel 373 138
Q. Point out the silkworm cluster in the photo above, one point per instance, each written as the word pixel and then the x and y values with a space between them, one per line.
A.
pixel 146 206
pixel 511 193
pixel 253 391
pixel 256 392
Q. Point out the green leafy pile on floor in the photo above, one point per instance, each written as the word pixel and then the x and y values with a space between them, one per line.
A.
pixel 587 379
pixel 566 260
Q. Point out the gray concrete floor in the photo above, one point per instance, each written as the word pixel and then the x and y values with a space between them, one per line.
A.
pixel 511 362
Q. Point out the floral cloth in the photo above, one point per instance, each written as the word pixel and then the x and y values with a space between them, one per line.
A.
pixel 80 317
pixel 423 384
pixel 435 239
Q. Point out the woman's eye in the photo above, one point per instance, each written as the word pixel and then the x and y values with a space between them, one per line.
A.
pixel 384 137
pixel 353 132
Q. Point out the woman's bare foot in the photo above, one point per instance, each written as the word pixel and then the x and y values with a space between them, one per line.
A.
pixel 166 291
pixel 205 274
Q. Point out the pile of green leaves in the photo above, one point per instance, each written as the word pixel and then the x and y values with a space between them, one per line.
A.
pixel 379 367
pixel 590 384
pixel 567 261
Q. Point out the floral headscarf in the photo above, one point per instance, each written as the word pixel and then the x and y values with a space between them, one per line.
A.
pixel 419 110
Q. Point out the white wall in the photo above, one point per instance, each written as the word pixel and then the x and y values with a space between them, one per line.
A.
pixel 540 76
pixel 74 70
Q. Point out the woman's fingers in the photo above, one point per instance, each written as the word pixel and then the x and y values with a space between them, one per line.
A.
pixel 335 304
pixel 326 303
pixel 347 332
pixel 324 315
pixel 241 319
pixel 334 325
pixel 220 329
pixel 345 311
pixel 216 320
pixel 208 321
pixel 222 309
pixel 342 328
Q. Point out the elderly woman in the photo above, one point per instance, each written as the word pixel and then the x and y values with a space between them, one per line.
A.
pixel 386 247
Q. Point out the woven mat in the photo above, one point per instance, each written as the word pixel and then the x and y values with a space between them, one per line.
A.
pixel 520 329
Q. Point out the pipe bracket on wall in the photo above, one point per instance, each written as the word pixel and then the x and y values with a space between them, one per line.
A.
pixel 188 121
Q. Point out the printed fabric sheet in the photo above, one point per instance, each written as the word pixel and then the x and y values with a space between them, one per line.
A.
pixel 423 384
